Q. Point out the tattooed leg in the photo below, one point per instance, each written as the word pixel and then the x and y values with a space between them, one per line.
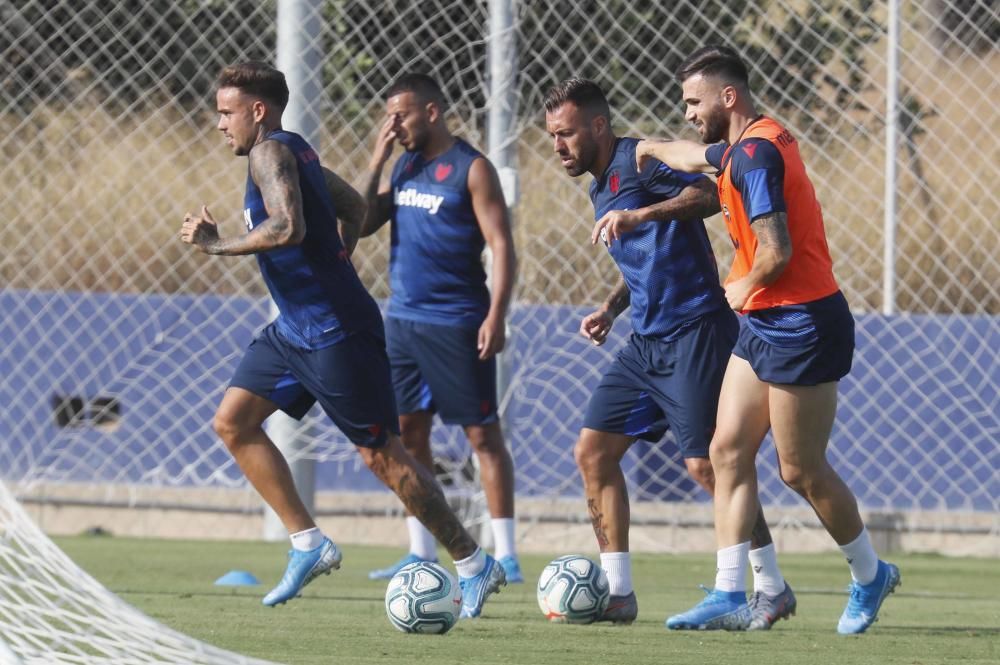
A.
pixel 598 456
pixel 420 494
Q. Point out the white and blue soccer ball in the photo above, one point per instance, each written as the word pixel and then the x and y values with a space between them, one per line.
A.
pixel 573 589
pixel 423 597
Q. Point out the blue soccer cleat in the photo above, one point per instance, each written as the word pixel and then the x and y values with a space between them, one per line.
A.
pixel 718 610
pixel 512 569
pixel 389 572
pixel 767 610
pixel 303 568
pixel 866 599
pixel 476 589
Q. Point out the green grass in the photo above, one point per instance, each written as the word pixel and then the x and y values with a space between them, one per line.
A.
pixel 948 610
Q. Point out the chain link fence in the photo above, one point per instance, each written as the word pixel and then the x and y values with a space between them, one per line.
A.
pixel 118 340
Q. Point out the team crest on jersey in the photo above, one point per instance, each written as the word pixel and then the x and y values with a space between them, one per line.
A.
pixel 442 171
pixel 750 149
pixel 614 182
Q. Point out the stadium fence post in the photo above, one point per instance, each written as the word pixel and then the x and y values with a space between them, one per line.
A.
pixel 299 56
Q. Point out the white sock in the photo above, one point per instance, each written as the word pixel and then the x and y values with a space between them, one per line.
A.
pixel 731 571
pixel 422 542
pixel 767 578
pixel 471 565
pixel 861 558
pixel 503 536
pixel 309 539
pixel 618 567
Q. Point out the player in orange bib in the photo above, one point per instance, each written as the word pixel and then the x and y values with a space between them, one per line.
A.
pixel 796 340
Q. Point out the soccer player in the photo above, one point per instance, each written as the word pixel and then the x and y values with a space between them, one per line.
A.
pixel 443 326
pixel 668 374
pixel 796 344
pixel 326 344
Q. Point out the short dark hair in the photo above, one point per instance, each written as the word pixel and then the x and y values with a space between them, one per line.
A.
pixel 421 85
pixel 258 79
pixel 715 60
pixel 584 93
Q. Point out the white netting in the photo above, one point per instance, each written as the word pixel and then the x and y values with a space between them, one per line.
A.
pixel 53 612
pixel 116 340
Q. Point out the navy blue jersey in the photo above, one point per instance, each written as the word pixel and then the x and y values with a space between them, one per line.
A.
pixel 668 265
pixel 319 296
pixel 435 266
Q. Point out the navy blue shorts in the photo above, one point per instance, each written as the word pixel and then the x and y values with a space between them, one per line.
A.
pixel 653 386
pixel 800 345
pixel 437 368
pixel 349 379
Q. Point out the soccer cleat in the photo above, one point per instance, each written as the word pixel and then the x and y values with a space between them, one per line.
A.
pixel 621 610
pixel 390 571
pixel 476 589
pixel 303 568
pixel 866 599
pixel 765 610
pixel 718 610
pixel 511 569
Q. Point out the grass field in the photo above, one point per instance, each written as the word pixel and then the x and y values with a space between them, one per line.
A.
pixel 948 610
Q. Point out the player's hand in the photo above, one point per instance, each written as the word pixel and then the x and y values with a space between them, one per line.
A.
pixel 596 326
pixel 613 225
pixel 492 337
pixel 200 230
pixel 384 143
pixel 738 293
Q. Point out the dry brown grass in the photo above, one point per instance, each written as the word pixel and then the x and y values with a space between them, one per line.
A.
pixel 94 203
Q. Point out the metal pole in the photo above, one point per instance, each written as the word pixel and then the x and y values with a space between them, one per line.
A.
pixel 300 58
pixel 891 125
pixel 502 148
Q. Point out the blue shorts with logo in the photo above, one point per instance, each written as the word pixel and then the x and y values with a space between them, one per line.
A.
pixel 349 379
pixel 437 368
pixel 801 345
pixel 655 385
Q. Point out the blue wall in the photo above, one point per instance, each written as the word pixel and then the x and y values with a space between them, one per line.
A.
pixel 918 423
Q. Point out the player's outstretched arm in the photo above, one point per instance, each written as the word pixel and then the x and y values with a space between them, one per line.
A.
pixel 696 201
pixel 379 200
pixel 275 171
pixel 774 251
pixel 596 325
pixel 351 208
pixel 494 222
pixel 680 155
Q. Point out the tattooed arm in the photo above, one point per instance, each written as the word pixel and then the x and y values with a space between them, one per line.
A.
pixel 273 168
pixel 597 325
pixel 774 251
pixel 350 206
pixel 695 201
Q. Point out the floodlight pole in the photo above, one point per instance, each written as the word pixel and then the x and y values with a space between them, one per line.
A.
pixel 299 56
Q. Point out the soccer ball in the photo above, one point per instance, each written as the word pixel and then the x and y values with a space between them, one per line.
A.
pixel 573 589
pixel 423 597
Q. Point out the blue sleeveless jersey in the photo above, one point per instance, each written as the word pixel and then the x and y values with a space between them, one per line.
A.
pixel 435 266
pixel 319 296
pixel 669 266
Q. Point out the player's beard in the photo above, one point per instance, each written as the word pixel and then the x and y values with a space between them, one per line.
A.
pixel 713 128
pixel 584 161
pixel 418 139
